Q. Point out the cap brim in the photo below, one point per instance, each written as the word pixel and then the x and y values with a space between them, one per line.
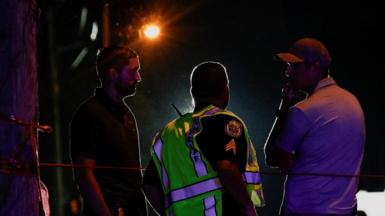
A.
pixel 288 57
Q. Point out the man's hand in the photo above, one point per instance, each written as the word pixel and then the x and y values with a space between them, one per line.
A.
pixel 275 156
pixel 291 96
pixel 152 188
pixel 286 162
pixel 249 211
pixel 232 181
pixel 89 187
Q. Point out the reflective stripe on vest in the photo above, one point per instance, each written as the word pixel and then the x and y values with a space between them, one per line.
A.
pixel 210 208
pixel 158 146
pixel 193 190
pixel 206 186
pixel 212 111
pixel 252 177
pixel 199 165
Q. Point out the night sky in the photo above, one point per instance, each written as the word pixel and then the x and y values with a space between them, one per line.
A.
pixel 243 35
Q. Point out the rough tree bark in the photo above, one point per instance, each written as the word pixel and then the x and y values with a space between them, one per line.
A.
pixel 18 98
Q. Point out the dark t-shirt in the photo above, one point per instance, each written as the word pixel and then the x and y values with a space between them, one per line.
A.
pixel 106 132
pixel 221 138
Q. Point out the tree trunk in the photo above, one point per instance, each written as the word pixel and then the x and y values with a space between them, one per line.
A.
pixel 18 98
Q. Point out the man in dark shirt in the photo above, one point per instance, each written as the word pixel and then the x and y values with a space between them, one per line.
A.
pixel 222 139
pixel 103 132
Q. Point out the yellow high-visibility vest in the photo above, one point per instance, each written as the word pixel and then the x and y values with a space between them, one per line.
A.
pixel 190 184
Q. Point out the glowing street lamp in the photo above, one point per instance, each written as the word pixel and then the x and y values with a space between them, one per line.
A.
pixel 151 31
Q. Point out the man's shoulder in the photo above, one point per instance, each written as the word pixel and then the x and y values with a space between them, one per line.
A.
pixel 223 116
pixel 177 122
pixel 89 108
pixel 333 95
pixel 220 119
pixel 228 116
pixel 225 121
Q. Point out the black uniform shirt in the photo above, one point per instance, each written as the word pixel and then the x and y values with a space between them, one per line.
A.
pixel 222 138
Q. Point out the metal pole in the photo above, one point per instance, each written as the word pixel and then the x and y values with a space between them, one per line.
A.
pixel 55 84
pixel 106 37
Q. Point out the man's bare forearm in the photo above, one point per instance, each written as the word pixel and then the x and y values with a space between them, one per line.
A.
pixel 271 151
pixel 152 188
pixel 154 197
pixel 93 195
pixel 232 181
pixel 90 188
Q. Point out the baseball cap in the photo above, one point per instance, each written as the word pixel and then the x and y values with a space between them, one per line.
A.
pixel 307 50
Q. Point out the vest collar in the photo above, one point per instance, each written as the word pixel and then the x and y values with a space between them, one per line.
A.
pixel 204 109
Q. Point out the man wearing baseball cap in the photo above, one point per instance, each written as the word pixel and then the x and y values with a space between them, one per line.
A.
pixel 318 136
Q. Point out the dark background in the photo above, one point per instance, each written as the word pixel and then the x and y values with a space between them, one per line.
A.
pixel 243 35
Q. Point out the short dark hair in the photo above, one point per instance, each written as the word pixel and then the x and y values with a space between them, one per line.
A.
pixel 112 57
pixel 208 79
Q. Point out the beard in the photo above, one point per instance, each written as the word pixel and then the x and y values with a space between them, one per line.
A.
pixel 126 90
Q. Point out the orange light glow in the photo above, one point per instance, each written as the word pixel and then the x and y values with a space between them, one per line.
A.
pixel 151 31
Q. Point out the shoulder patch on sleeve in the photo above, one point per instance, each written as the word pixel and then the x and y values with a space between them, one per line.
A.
pixel 233 128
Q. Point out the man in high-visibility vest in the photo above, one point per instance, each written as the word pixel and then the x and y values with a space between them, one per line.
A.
pixel 204 163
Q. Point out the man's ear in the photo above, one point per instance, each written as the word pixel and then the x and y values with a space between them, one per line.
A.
pixel 111 74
